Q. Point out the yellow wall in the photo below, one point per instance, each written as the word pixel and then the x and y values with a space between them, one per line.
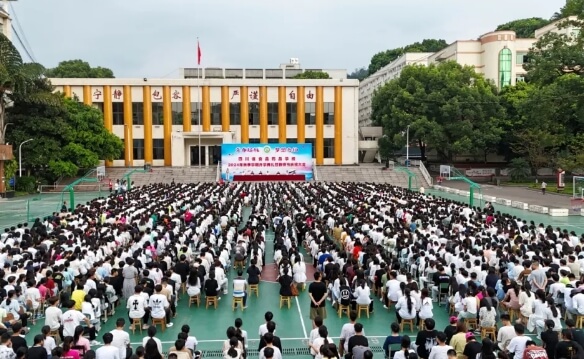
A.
pixel 319 142
pixel 338 125
pixel 87 95
pixel 244 110
pixel 167 122
pixel 108 119
pixel 67 91
pixel 281 114
pixel 186 108
pixel 147 114
pixel 206 110
pixel 128 127
pixel 300 127
pixel 263 114
pixel 225 118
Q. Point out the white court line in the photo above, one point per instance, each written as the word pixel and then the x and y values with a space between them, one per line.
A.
pixel 285 339
pixel 301 319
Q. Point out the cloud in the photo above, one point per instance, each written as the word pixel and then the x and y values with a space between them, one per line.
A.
pixel 138 38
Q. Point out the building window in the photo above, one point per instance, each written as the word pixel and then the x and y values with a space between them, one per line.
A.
pixel 118 113
pixel 291 113
pixel 273 140
pixel 254 140
pixel 157 113
pixel 215 113
pixel 505 67
pixel 291 140
pixel 177 114
pixel 329 148
pixel 138 113
pixel 312 141
pixel 310 113
pixel 235 114
pixel 138 148
pixel 521 58
pixel 195 114
pixel 158 149
pixel 329 113
pixel 254 113
pixel 272 113
pixel 98 105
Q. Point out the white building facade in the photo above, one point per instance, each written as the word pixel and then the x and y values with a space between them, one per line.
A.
pixel 498 55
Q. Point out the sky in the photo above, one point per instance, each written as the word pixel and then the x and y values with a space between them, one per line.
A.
pixel 147 38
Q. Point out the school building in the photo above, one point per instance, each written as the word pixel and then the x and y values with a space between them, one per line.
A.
pixel 174 122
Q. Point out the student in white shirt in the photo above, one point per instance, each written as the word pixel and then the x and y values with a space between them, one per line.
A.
pixel 108 351
pixel 405 307
pixel 159 306
pixel 470 307
pixel 121 338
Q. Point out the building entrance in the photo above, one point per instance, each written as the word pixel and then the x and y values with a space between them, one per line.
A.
pixel 197 155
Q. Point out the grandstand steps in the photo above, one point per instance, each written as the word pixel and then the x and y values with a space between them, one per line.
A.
pixel 362 173
pixel 166 175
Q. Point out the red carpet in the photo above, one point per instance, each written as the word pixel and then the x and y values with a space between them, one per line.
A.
pixel 267 178
pixel 270 273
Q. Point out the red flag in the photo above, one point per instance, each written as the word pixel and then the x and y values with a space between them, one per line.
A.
pixel 198 53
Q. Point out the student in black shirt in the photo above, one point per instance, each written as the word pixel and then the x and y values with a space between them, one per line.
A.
pixel 269 337
pixel 357 340
pixel 16 339
pixel 38 351
pixel 450 330
pixel 253 273
pixel 211 285
pixel 549 339
pixel 577 334
pixel 568 348
pixel 472 347
pixel 426 339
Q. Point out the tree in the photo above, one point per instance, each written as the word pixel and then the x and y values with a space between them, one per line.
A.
pixel 538 146
pixel 519 169
pixel 17 80
pixel 383 58
pixel 450 108
pixel 78 69
pixel 556 54
pixel 524 28
pixel 67 137
pixel 513 99
pixel 312 75
pixel 359 74
pixel 386 149
pixel 573 157
pixel 572 8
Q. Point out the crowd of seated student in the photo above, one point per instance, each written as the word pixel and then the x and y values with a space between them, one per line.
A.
pixel 369 241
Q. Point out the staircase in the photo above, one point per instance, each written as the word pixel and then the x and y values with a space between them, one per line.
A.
pixel 166 175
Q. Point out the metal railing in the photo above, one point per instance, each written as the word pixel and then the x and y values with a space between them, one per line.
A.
pixel 315 172
pixel 425 174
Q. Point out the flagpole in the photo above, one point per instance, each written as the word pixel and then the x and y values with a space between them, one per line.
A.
pixel 199 98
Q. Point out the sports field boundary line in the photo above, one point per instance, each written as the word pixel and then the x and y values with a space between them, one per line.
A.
pixel 286 339
pixel 301 318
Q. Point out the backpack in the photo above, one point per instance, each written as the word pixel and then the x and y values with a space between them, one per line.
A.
pixel 345 295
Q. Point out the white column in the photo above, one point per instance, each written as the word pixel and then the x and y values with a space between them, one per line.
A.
pixel 207 156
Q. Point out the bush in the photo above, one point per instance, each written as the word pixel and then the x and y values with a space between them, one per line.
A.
pixel 26 184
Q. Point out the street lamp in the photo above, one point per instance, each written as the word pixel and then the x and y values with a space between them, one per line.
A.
pixel 20 157
pixel 408 146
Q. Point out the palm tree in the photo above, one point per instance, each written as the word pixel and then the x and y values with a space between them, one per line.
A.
pixel 16 79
